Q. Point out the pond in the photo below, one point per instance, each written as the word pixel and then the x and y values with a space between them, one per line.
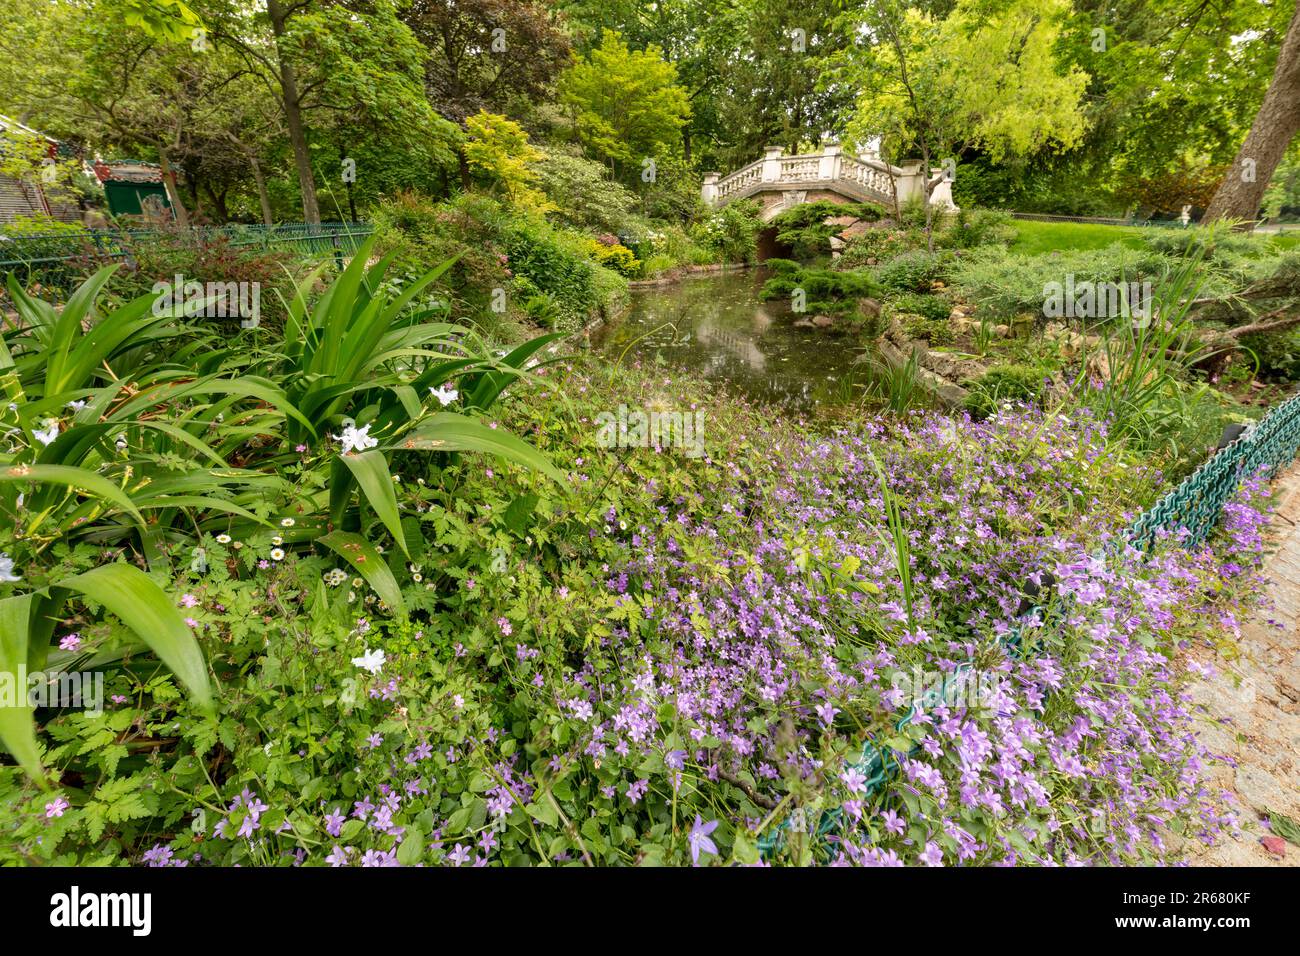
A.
pixel 717 327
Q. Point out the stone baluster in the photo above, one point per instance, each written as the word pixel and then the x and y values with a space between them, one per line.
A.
pixel 709 191
pixel 772 164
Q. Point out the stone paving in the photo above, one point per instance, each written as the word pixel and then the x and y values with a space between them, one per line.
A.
pixel 1251 706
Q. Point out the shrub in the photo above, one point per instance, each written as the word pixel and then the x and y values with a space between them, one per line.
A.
pixel 1277 354
pixel 915 271
pixel 583 195
pixel 879 245
pixel 493 245
pixel 732 231
pixel 805 228
pixel 822 290
pixel 614 255
pixel 930 306
pixel 204 257
pixel 1014 383
pixel 935 332
pixel 972 228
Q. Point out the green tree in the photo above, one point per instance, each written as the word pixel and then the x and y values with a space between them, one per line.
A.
pixel 499 148
pixel 983 77
pixel 627 106
pixel 351 67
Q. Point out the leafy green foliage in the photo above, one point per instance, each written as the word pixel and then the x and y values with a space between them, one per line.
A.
pixel 807 231
pixel 628 105
pixel 821 290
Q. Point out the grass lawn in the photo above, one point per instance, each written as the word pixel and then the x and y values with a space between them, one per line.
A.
pixel 1033 238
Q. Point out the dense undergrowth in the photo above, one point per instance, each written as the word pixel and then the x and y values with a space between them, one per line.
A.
pixel 659 660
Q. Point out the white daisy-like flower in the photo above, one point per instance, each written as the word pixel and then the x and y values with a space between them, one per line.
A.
pixel 50 432
pixel 277 554
pixel 7 569
pixel 223 539
pixel 371 661
pixel 277 541
pixel 445 394
pixel 286 522
pixel 356 439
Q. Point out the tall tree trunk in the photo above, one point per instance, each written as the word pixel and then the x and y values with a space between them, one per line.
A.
pixel 463 162
pixel 1276 124
pixel 173 194
pixel 293 117
pixel 262 197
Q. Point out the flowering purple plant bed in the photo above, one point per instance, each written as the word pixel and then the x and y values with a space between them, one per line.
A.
pixel 681 660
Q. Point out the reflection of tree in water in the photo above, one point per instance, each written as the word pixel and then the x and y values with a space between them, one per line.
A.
pixel 718 328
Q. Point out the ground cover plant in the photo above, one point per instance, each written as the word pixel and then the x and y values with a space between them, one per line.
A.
pixel 657 659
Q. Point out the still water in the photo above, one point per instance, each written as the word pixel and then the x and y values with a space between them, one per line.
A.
pixel 717 327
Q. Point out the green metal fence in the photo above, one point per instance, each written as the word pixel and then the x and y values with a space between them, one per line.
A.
pixel 1193 509
pixel 37 250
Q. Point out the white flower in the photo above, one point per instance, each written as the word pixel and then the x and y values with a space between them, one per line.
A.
pixel 50 433
pixel 371 661
pixel 286 522
pixel 277 541
pixel 445 394
pixel 335 577
pixel 75 406
pixel 356 439
pixel 223 539
pixel 7 568
pixel 277 554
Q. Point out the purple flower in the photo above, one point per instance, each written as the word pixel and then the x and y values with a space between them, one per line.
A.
pixel 699 838
pixel 459 854
pixel 334 823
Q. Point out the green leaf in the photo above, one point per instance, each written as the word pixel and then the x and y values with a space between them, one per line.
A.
pixel 744 849
pixel 369 563
pixel 448 431
pixel 1284 827
pixel 411 850
pixel 147 610
pixel 544 813
pixel 518 512
pixel 75 478
pixel 370 468
pixel 17 724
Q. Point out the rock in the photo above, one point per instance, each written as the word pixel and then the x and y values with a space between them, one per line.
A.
pixel 822 321
pixel 869 307
pixel 1275 845
pixel 803 324
pixel 1001 331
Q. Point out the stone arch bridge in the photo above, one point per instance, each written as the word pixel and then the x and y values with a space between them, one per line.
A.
pixel 781 182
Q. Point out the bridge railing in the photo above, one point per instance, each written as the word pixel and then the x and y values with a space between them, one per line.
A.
pixel 868 177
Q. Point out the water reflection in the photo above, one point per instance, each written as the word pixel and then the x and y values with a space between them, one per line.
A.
pixel 717 327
